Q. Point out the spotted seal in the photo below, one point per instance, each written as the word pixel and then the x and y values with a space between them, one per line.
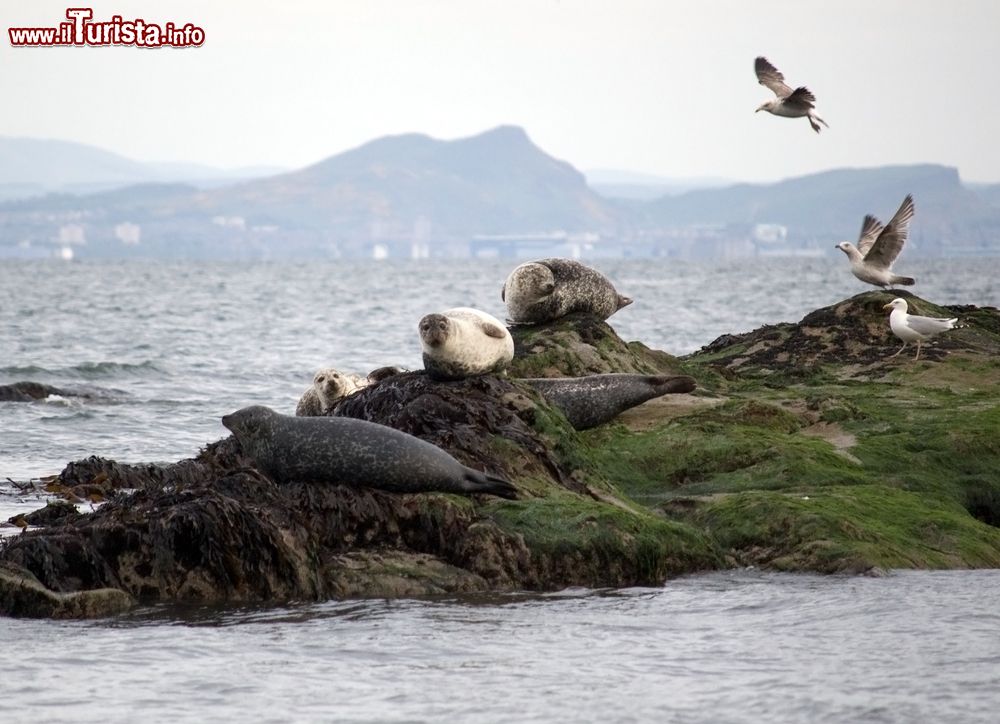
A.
pixel 593 400
pixel 542 291
pixel 329 387
pixel 353 452
pixel 464 342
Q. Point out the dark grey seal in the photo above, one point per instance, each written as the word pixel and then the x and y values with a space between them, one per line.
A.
pixel 593 400
pixel 542 291
pixel 353 452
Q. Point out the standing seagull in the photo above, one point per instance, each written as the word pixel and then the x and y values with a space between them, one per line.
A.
pixel 789 103
pixel 911 328
pixel 878 248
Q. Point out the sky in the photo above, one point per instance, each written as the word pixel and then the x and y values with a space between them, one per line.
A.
pixel 656 86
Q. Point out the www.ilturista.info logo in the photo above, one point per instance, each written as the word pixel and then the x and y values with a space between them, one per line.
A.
pixel 82 30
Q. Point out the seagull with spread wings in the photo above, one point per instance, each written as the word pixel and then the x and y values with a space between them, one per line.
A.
pixel 789 103
pixel 878 246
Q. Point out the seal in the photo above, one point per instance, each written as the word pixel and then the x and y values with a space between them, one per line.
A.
pixel 464 342
pixel 353 452
pixel 328 388
pixel 545 290
pixel 596 399
pixel 383 373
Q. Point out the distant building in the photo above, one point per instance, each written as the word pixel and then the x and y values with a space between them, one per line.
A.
pixel 128 233
pixel 539 244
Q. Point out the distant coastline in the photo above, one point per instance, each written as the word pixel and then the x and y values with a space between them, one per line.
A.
pixel 495 194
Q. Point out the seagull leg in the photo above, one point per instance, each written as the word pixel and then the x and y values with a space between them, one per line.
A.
pixel 900 350
pixel 918 351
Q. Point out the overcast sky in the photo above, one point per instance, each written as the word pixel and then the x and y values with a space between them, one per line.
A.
pixel 659 87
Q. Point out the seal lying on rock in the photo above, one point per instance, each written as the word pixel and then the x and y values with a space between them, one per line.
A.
pixel 593 400
pixel 542 291
pixel 464 342
pixel 329 387
pixel 353 452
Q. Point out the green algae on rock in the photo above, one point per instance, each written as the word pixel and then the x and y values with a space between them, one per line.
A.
pixel 578 345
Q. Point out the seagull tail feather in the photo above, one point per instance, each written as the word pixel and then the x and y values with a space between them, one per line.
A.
pixel 906 281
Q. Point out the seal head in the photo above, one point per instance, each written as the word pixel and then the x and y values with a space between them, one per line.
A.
pixel 329 387
pixel 434 330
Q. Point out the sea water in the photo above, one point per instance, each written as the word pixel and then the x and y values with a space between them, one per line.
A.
pixel 165 349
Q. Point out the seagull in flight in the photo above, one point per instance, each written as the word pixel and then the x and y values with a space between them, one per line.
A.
pixel 789 103
pixel 913 328
pixel 878 247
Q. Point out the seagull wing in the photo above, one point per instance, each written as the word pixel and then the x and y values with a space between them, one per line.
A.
pixel 870 229
pixel 771 77
pixel 929 326
pixel 890 242
pixel 801 98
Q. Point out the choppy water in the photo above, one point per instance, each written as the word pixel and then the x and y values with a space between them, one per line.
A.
pixel 175 346
pixel 734 647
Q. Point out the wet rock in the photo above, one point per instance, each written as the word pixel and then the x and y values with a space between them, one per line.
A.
pixel 578 345
pixel 852 332
pixel 29 392
pixel 472 419
pixel 52 514
pixel 22 595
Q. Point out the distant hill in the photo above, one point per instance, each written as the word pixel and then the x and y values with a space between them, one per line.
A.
pixel 496 192
pixel 395 191
pixel 492 183
pixel 32 167
pixel 830 205
pixel 617 184
pixel 988 192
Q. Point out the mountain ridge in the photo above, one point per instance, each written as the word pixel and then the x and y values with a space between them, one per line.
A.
pixel 411 192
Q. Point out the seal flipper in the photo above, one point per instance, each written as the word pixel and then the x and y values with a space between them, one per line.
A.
pixel 491 330
pixel 667 384
pixel 477 482
pixel 624 301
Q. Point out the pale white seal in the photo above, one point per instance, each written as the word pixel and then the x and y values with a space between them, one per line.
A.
pixel 329 387
pixel 464 342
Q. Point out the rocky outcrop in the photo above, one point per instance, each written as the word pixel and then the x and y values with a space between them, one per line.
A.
pixel 854 331
pixel 212 528
pixel 31 391
pixel 578 345
pixel 806 450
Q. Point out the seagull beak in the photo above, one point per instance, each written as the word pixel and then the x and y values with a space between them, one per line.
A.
pixel 887 306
